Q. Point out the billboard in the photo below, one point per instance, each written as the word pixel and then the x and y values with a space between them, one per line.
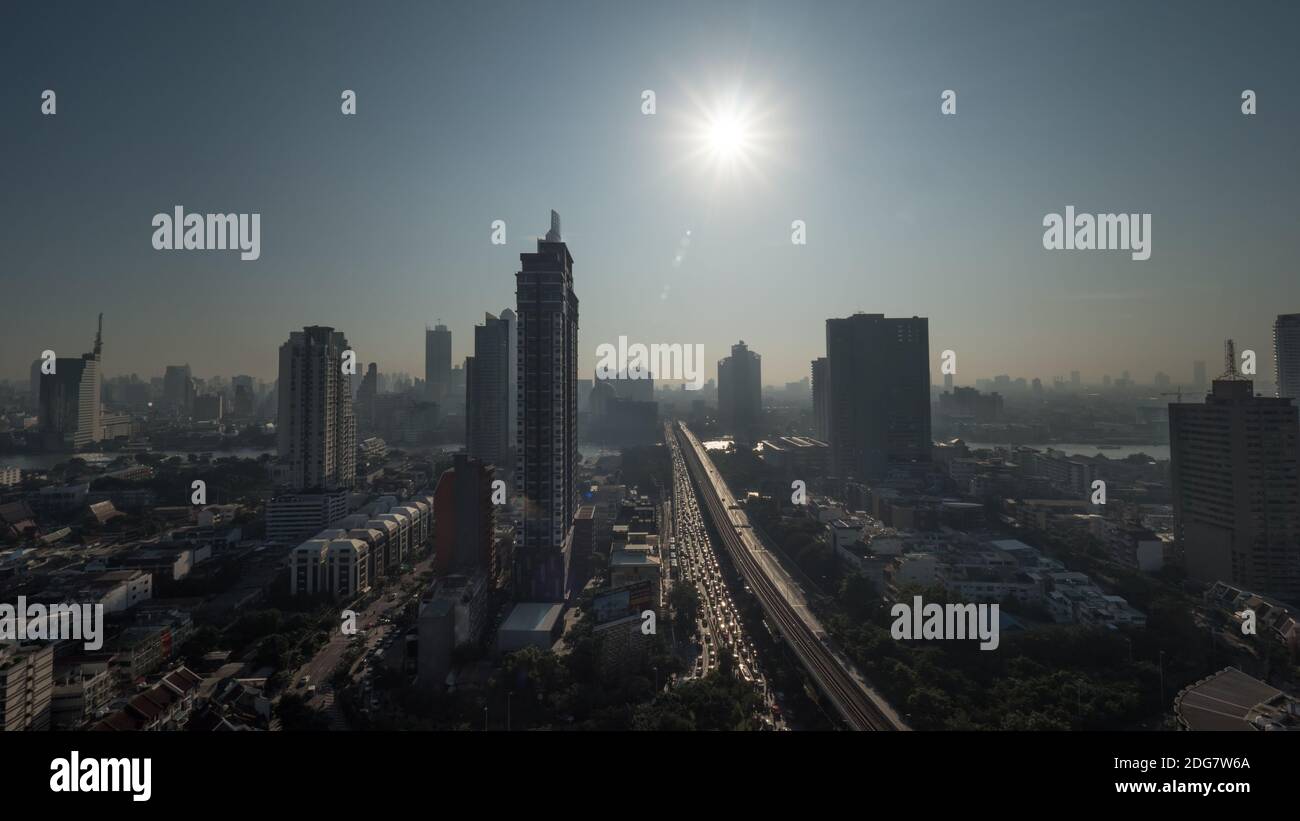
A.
pixel 621 602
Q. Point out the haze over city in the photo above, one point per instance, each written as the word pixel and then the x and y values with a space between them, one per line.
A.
pixel 918 379
pixel 380 223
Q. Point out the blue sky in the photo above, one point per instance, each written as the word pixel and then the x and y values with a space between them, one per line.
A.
pixel 379 223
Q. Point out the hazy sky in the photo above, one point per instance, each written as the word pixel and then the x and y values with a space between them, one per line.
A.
pixel 380 223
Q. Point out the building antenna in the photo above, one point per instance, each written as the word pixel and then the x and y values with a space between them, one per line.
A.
pixel 1229 359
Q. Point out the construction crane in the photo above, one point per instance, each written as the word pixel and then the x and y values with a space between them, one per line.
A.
pixel 1178 393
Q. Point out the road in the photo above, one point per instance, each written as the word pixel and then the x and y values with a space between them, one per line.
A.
pixel 783 599
pixel 318 669
pixel 693 557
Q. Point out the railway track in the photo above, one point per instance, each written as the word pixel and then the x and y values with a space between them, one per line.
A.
pixel 857 709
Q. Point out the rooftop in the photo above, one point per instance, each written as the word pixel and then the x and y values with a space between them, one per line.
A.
pixel 1232 700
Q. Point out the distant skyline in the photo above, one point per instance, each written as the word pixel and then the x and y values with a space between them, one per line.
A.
pixel 379 224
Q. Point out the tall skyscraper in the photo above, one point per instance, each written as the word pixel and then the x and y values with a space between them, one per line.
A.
pixel 178 389
pixel 879 382
pixel 512 368
pixel 487 393
pixel 546 448
pixel 1236 488
pixel 1286 355
pixel 367 395
pixel 69 404
pixel 437 362
pixel 1198 375
pixel 316 428
pixel 34 386
pixel 820 398
pixel 740 392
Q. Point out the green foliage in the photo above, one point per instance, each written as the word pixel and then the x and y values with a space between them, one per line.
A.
pixel 296 715
pixel 717 702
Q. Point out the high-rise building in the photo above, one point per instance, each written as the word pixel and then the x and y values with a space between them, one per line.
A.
pixel 821 420
pixel 879 389
pixel 437 362
pixel 1198 375
pixel 487 389
pixel 1236 488
pixel 512 369
pixel 365 400
pixel 464 518
pixel 316 428
pixel 69 405
pixel 1286 355
pixel 740 392
pixel 209 407
pixel 546 445
pixel 34 386
pixel 178 389
pixel 244 396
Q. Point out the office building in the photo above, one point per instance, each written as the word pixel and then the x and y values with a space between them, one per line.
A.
pixel 1198 375
pixel 178 390
pixel 1236 488
pixel 292 517
pixel 69 405
pixel 316 428
pixel 879 388
pixel 546 444
pixel 740 392
pixel 820 399
pixel 367 393
pixel 487 389
pixel 437 362
pixel 1286 356
pixel 209 407
pixel 512 376
pixel 464 518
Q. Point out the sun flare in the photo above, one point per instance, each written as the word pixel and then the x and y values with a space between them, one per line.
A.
pixel 728 138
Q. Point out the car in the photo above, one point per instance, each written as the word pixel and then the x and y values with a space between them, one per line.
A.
pixel 311 690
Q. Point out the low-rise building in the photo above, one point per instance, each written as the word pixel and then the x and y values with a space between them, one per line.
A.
pixel 26 686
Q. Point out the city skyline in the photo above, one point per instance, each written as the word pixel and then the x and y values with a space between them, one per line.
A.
pixel 938 370
pixel 368 223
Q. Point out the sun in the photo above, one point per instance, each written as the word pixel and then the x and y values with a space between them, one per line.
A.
pixel 727 137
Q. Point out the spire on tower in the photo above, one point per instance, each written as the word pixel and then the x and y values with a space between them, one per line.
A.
pixel 99 336
pixel 553 235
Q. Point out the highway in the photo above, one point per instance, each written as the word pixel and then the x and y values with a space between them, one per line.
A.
pixel 783 600
pixel 693 558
